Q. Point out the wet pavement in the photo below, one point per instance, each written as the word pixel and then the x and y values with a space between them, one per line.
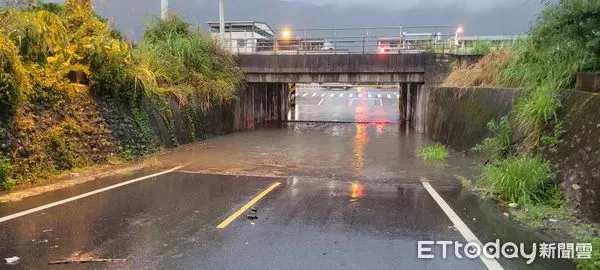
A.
pixel 350 197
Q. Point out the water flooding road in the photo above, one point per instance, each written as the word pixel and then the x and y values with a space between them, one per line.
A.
pixel 350 196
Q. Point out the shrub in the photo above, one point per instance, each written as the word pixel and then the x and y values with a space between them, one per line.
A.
pixel 173 58
pixel 5 181
pixel 436 152
pixel 499 143
pixel 13 77
pixel 523 180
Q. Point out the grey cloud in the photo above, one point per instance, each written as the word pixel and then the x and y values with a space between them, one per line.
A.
pixel 469 5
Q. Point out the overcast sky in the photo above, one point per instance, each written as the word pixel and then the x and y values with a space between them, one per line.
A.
pixel 479 17
pixel 475 5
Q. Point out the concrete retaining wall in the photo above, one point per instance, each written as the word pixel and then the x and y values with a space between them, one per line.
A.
pixel 458 117
pixel 257 104
pixel 261 103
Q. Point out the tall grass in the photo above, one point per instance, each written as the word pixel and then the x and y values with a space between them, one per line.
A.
pixel 173 58
pixel 557 48
pixel 485 73
pixel 523 180
pixel 436 152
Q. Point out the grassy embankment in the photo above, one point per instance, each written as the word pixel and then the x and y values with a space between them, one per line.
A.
pixel 50 122
pixel 563 41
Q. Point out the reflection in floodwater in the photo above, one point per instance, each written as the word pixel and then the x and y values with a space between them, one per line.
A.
pixel 360 140
pixel 357 190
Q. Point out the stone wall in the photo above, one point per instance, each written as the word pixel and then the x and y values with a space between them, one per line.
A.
pixel 577 160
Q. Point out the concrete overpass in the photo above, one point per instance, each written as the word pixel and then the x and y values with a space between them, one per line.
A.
pixel 346 68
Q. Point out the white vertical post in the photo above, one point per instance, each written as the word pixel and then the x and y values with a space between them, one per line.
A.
pixel 164 9
pixel 222 19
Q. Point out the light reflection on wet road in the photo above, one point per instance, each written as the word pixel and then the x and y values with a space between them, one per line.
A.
pixel 350 198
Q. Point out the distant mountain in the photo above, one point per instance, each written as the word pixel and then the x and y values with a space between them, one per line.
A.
pixel 131 15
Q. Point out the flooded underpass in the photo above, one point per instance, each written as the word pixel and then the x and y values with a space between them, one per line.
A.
pixel 342 187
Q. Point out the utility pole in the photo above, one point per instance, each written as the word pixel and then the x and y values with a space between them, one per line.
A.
pixel 164 9
pixel 222 20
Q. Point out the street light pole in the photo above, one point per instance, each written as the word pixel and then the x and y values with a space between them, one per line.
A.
pixel 459 30
pixel 164 9
pixel 222 20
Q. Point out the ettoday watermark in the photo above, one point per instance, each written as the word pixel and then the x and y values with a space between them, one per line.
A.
pixel 508 250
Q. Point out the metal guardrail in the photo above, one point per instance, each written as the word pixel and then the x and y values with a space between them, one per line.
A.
pixel 357 40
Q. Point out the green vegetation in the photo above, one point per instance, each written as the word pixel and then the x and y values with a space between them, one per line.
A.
pixel 436 152
pixel 56 123
pixel 5 181
pixel 499 143
pixel 520 180
pixel 586 233
pixel 563 41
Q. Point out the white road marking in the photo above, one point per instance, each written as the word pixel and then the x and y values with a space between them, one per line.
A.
pixel 43 207
pixel 351 95
pixel 389 96
pixel 321 102
pixel 370 95
pixel 379 95
pixel 305 94
pixel 314 95
pixel 398 96
pixel 332 95
pixel 341 95
pixel 460 225
pixel 359 95
pixel 297 93
pixel 322 95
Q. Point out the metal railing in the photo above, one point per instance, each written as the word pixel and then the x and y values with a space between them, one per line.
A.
pixel 357 40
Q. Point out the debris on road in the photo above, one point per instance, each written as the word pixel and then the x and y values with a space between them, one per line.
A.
pixel 12 260
pixel 252 216
pixel 87 261
pixel 505 214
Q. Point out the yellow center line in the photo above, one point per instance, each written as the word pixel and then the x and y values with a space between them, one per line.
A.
pixel 244 208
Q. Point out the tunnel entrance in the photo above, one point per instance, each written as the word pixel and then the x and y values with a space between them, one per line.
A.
pixel 362 103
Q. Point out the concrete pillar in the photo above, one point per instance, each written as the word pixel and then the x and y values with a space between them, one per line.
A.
pixel 403 103
pixel 412 103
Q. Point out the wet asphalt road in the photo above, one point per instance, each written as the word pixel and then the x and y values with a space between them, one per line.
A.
pixel 350 198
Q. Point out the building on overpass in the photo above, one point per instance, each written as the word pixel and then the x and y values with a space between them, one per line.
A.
pixel 253 37
pixel 409 43
pixel 245 37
